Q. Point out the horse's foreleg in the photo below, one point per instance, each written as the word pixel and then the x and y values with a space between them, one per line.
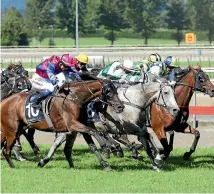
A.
pixel 58 141
pixel 93 148
pixel 77 126
pixel 144 139
pixel 171 140
pixel 30 138
pixel 70 138
pixel 118 150
pixel 101 141
pixel 124 140
pixel 194 131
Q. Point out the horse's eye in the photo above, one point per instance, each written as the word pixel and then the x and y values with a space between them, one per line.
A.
pixel 166 92
pixel 201 79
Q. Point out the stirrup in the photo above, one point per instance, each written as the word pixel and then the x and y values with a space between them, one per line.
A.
pixel 35 104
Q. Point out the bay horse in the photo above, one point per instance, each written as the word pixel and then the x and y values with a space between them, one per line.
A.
pixel 162 122
pixel 65 111
pixel 15 79
pixel 133 118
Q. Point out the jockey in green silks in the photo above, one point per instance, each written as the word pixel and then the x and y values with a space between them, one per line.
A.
pixel 125 71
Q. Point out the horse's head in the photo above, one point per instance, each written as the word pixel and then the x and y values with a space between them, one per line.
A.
pixel 165 97
pixel 110 95
pixel 22 84
pixel 202 81
pixel 19 70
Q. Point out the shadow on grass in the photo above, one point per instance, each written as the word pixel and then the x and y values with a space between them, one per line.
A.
pixel 84 159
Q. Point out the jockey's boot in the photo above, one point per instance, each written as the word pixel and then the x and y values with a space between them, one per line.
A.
pixel 38 98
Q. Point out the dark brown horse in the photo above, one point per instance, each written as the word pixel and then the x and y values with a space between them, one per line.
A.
pixel 162 122
pixel 65 111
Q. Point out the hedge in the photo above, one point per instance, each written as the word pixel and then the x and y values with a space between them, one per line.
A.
pixel 126 33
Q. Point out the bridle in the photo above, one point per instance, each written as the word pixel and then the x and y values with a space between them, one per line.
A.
pixel 156 101
pixel 201 85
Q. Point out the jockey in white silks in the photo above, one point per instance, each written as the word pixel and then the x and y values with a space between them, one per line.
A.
pixel 53 71
pixel 123 71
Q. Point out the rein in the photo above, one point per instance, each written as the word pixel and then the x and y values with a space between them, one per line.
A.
pixel 193 87
pixel 143 108
pixel 91 97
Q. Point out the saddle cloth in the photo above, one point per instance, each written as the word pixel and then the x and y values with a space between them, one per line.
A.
pixel 40 113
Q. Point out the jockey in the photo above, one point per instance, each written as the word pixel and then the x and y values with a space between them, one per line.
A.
pixel 171 66
pixel 153 58
pixel 122 71
pixel 52 72
pixel 156 66
pixel 142 66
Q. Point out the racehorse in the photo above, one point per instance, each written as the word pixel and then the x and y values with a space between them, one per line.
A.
pixel 14 79
pixel 133 118
pixel 162 122
pixel 65 112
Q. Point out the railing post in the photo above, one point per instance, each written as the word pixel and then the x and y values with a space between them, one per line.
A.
pixel 195 125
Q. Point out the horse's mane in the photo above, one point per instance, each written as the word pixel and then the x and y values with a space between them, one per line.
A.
pixel 79 83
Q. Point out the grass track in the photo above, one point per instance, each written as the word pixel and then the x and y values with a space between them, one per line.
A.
pixel 128 175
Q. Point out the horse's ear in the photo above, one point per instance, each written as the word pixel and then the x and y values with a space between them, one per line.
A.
pixel 198 66
pixel 11 66
pixel 189 67
pixel 20 63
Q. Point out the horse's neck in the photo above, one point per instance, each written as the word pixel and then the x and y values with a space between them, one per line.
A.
pixel 87 90
pixel 183 93
pixel 143 94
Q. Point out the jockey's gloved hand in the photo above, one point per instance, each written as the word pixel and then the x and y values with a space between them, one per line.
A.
pixel 74 75
pixel 53 79
pixel 172 83
pixel 123 81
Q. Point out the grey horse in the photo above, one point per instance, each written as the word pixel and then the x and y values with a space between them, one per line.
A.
pixel 132 120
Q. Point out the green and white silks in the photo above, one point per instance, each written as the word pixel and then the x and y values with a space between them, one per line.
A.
pixel 115 72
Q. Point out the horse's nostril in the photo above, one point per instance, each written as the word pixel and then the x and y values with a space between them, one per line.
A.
pixel 175 111
pixel 120 107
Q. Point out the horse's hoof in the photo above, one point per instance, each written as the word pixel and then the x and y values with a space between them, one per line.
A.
pixel 114 153
pixel 107 168
pixel 21 159
pixel 36 150
pixel 139 157
pixel 41 163
pixel 71 165
pixel 156 168
pixel 186 156
pixel 120 154
pixel 134 157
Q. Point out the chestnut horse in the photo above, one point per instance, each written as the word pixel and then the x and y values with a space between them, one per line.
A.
pixel 161 120
pixel 64 114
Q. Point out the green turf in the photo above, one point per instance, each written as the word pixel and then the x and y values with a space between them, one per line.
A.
pixel 99 41
pixel 177 176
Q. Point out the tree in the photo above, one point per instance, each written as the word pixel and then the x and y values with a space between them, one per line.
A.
pixel 111 17
pixel 39 14
pixel 144 15
pixel 13 29
pixel 91 18
pixel 177 18
pixel 66 16
pixel 203 17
